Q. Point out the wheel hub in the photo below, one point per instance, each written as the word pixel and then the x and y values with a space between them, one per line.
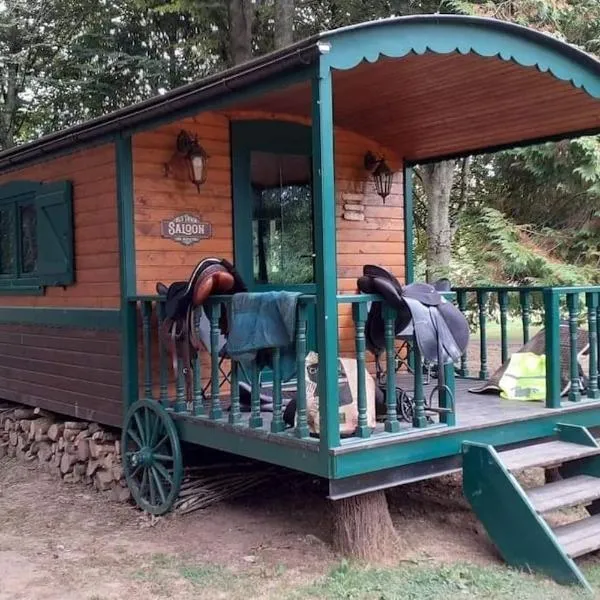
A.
pixel 142 458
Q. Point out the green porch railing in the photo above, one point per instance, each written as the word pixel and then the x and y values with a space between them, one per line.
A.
pixel 553 307
pixel 164 381
pixel 207 395
pixel 393 387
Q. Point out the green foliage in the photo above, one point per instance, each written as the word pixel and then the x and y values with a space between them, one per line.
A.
pixel 491 249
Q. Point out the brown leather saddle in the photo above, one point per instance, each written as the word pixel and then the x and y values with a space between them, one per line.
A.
pixel 211 276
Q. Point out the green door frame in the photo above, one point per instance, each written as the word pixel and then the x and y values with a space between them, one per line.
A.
pixel 264 136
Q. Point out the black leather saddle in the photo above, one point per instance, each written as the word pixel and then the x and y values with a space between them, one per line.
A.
pixel 440 330
pixel 211 276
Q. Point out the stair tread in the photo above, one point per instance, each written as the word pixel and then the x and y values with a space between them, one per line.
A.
pixel 580 537
pixel 565 493
pixel 545 455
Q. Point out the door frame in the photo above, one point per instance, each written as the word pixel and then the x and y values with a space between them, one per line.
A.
pixel 260 135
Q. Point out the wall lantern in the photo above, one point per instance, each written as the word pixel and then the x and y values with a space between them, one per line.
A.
pixel 382 174
pixel 194 155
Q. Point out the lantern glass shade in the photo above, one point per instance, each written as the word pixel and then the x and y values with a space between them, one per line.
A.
pixel 383 177
pixel 197 160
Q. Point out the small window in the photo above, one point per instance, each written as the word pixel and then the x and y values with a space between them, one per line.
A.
pixel 36 236
pixel 28 233
pixel 283 249
pixel 7 241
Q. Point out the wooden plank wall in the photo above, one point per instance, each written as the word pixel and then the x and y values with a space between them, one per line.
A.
pixel 378 238
pixel 158 197
pixel 75 372
pixel 92 172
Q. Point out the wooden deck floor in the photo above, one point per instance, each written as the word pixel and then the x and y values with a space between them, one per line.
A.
pixel 473 411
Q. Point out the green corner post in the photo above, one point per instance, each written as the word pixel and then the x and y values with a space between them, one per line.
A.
pixel 409 262
pixel 325 262
pixel 129 346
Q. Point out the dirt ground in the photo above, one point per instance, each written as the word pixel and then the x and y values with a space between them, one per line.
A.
pixel 60 541
pixel 66 542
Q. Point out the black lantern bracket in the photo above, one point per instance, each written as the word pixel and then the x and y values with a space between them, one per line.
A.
pixel 195 156
pixel 382 175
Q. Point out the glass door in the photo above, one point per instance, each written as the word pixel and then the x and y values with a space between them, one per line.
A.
pixel 273 208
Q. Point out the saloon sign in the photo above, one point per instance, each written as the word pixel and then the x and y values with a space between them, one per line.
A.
pixel 186 229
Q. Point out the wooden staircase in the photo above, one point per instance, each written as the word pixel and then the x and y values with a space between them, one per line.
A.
pixel 514 517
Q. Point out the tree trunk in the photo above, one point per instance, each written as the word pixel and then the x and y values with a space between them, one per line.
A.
pixel 437 184
pixel 363 528
pixel 241 19
pixel 284 23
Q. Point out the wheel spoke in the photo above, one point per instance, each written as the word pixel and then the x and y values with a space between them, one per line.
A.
pixel 164 473
pixel 154 432
pixel 163 457
pixel 159 485
pixel 135 471
pixel 147 425
pixel 152 488
pixel 140 428
pixel 135 438
pixel 162 441
pixel 144 483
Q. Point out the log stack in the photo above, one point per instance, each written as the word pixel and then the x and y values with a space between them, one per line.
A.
pixel 75 451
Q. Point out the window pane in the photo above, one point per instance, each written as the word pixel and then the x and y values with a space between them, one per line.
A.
pixel 29 248
pixel 282 218
pixel 7 241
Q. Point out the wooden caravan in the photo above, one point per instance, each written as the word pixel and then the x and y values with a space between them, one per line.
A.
pixel 270 166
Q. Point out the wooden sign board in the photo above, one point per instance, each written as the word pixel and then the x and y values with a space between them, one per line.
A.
pixel 186 229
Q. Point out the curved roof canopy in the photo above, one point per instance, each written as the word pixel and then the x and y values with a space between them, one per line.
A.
pixel 428 87
pixel 431 87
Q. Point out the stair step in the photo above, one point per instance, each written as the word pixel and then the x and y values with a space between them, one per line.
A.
pixel 581 489
pixel 547 454
pixel 580 537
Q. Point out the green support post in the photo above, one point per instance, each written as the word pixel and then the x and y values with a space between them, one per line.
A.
pixel 591 301
pixel 325 262
pixel 462 305
pixel 162 357
pixel 277 424
pixel 129 340
pixel 146 314
pixel 409 259
pixel 482 298
pixel 235 415
pixel 573 308
pixel 392 425
pixel 503 304
pixel 551 326
pixel 216 412
pixel 256 420
pixel 419 417
pixel 301 429
pixel 359 314
pixel 180 403
pixel 524 298
pixel 198 405
pixel 448 396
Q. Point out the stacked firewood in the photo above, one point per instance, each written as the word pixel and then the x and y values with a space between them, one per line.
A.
pixel 76 451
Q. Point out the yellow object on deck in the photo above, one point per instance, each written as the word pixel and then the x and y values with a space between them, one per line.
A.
pixel 525 377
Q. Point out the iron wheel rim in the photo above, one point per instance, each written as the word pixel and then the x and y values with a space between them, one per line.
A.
pixel 151 455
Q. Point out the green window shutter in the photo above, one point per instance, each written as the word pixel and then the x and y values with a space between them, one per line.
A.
pixel 55 234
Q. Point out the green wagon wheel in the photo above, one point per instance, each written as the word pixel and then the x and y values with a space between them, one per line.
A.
pixel 151 456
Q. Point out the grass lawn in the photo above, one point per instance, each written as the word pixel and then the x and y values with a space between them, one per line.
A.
pixel 413 581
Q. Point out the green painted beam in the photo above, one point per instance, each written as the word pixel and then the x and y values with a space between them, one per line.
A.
pixel 285 451
pixel 125 200
pixel 384 452
pixel 325 262
pixel 409 232
pixel 77 318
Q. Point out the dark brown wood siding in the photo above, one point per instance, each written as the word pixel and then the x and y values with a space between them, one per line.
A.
pixel 71 371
